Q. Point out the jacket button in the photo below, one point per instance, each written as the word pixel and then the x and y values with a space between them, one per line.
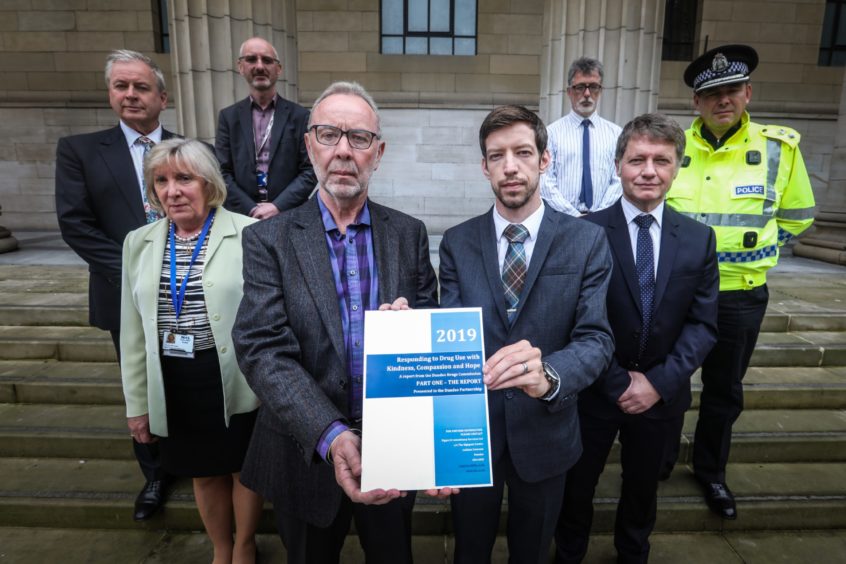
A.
pixel 509 394
pixel 209 283
pixel 223 350
pixel 216 317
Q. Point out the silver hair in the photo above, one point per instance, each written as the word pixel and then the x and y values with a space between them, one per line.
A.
pixel 352 89
pixel 585 65
pixel 127 56
pixel 187 155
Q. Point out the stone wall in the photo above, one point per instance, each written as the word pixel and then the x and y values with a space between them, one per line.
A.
pixel 339 40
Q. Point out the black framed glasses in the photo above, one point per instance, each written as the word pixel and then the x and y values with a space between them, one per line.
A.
pixel 594 88
pixel 253 59
pixel 331 135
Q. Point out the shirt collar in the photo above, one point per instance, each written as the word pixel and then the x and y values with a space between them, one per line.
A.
pixel 132 136
pixel 631 211
pixel 576 120
pixel 329 225
pixel 531 223
pixel 271 105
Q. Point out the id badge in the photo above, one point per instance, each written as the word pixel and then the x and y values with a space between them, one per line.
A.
pixel 177 344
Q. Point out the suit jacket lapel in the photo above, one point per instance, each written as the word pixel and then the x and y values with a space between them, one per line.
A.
pixel 279 120
pixel 222 228
pixel 548 225
pixel 156 238
pixel 621 246
pixel 490 262
pixel 309 242
pixel 667 257
pixel 245 116
pixel 118 160
pixel 386 249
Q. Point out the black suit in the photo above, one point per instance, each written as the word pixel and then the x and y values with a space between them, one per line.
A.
pixel 290 177
pixel 98 201
pixel 684 329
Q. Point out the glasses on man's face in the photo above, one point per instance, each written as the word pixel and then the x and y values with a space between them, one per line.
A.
pixel 593 87
pixel 331 135
pixel 253 59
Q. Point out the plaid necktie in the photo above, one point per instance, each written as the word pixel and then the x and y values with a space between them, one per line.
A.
pixel 645 266
pixel 149 211
pixel 514 266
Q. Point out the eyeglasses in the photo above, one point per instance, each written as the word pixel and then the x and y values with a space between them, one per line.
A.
pixel 331 135
pixel 253 59
pixel 593 87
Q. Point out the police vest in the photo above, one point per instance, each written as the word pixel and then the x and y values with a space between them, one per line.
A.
pixel 754 191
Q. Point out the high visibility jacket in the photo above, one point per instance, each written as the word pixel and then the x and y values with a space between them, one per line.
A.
pixel 754 191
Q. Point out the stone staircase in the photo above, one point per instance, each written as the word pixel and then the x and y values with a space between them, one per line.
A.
pixel 66 461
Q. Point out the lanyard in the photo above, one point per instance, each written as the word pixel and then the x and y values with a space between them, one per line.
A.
pixel 266 133
pixel 179 297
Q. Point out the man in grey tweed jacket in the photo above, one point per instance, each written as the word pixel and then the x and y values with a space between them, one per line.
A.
pixel 308 275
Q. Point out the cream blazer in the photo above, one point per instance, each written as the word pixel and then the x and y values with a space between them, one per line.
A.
pixel 140 367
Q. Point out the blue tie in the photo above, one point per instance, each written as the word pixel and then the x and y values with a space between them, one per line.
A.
pixel 586 194
pixel 645 266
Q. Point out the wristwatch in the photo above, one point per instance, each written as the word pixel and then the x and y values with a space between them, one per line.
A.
pixel 553 379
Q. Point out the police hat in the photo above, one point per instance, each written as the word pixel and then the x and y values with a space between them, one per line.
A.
pixel 728 64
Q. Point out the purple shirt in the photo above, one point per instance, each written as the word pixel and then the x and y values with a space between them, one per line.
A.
pixel 262 124
pixel 357 288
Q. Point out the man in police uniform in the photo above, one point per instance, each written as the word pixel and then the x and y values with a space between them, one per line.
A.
pixel 747 181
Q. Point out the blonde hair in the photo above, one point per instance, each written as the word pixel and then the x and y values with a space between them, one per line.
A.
pixel 187 155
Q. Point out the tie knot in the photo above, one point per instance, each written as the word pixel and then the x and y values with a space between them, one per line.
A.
pixel 644 221
pixel 516 233
pixel 586 123
pixel 146 142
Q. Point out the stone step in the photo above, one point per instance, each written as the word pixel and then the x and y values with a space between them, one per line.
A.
pixel 87 431
pixel 800 348
pixel 62 343
pixel 98 494
pixel 51 381
pixel 75 546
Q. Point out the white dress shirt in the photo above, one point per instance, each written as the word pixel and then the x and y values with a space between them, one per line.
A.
pixel 532 225
pixel 137 149
pixel 631 212
pixel 561 184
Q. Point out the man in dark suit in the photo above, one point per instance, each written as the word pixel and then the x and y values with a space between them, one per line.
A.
pixel 309 275
pixel 259 141
pixel 100 198
pixel 664 317
pixel 540 277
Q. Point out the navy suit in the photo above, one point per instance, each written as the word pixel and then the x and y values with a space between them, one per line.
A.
pixel 684 329
pixel 562 312
pixel 290 176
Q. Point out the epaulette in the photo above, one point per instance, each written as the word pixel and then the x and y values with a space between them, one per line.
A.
pixel 782 133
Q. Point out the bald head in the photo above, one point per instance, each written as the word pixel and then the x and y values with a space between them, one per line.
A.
pixel 259 64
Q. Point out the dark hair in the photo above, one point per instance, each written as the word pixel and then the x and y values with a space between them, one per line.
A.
pixel 656 127
pixel 505 116
pixel 585 65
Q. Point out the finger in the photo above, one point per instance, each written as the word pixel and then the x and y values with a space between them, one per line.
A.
pixel 524 373
pixel 497 357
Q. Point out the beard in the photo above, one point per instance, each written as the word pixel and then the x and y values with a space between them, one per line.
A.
pixel 515 201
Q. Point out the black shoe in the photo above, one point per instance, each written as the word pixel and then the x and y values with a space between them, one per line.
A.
pixel 152 497
pixel 720 500
pixel 664 475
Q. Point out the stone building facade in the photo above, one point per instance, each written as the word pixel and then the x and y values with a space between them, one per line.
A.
pixel 51 80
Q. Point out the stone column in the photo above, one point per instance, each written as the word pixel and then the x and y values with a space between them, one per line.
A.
pixel 826 240
pixel 205 38
pixel 624 34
